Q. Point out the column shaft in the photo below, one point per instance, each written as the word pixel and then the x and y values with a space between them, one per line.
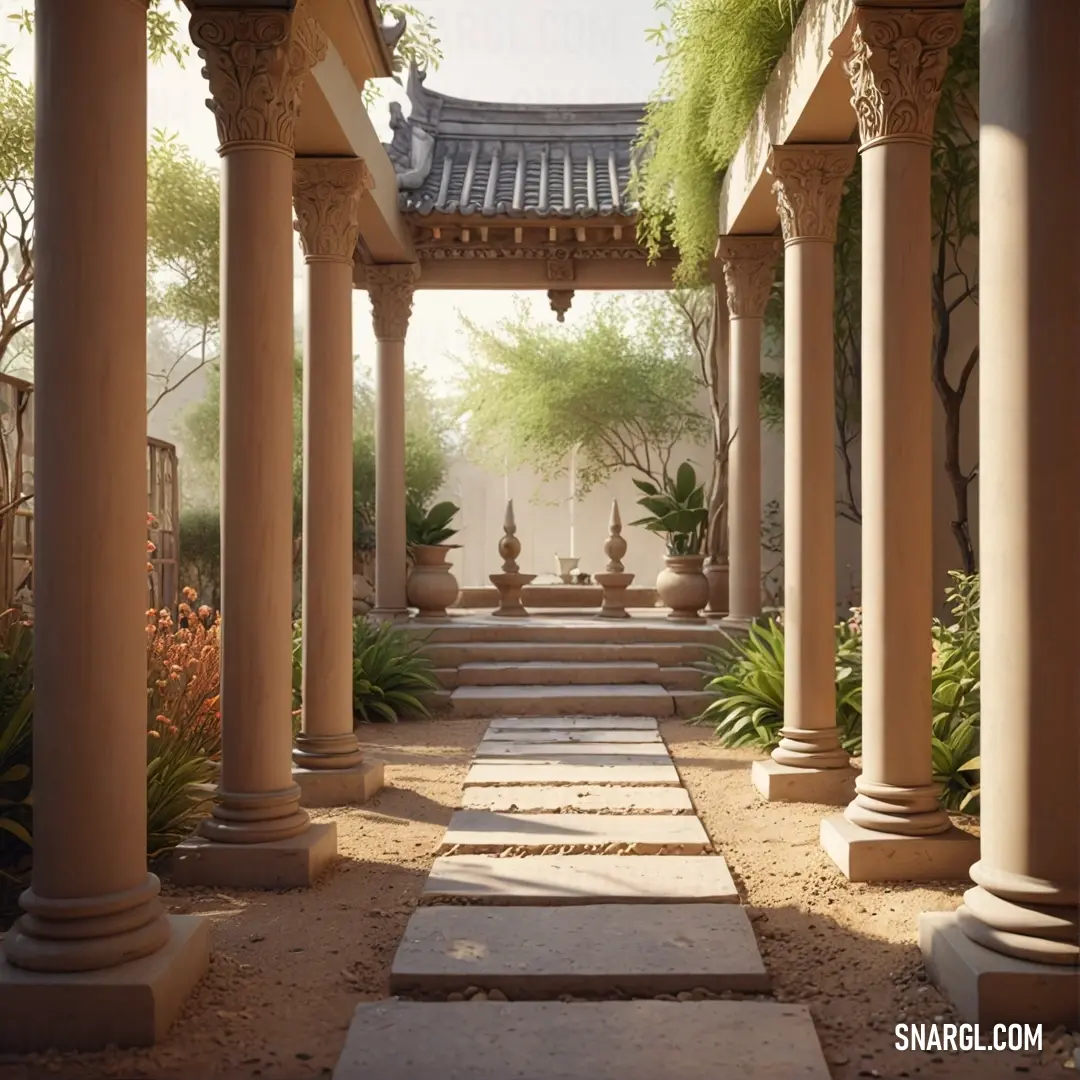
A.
pixel 92 903
pixel 1028 876
pixel 749 264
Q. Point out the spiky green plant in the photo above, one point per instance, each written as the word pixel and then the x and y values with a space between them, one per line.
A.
pixel 390 677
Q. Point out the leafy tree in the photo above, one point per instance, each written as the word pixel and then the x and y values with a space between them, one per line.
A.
pixel 619 389
pixel 183 255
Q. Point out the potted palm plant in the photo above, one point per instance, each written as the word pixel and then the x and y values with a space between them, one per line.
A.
pixel 431 586
pixel 678 512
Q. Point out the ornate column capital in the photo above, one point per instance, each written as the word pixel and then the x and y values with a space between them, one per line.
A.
pixel 327 194
pixel 256 62
pixel 808 182
pixel 896 63
pixel 749 264
pixel 391 290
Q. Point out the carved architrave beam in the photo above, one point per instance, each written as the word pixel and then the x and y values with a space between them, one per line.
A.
pixel 808 182
pixel 896 62
pixel 327 194
pixel 256 62
pixel 749 264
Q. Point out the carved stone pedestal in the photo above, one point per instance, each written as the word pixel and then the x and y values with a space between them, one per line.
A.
pixel 510 586
pixel 613 606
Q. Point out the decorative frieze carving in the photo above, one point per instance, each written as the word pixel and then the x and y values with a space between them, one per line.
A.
pixel 896 64
pixel 749 264
pixel 560 269
pixel 391 289
pixel 434 252
pixel 327 194
pixel 256 63
pixel 808 182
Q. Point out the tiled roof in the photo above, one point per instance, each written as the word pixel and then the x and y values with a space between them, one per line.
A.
pixel 455 156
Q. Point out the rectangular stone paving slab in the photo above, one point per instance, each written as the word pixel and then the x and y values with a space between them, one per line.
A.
pixel 585 799
pixel 582 879
pixel 623 771
pixel 542 952
pixel 569 723
pixel 559 750
pixel 637 700
pixel 584 736
pixel 605 1040
pixel 481 831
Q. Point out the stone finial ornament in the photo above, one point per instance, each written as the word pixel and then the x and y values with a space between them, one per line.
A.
pixel 509 544
pixel 615 545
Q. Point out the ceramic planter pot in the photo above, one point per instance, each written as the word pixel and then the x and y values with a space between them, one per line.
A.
pixel 431 587
pixel 717 576
pixel 682 586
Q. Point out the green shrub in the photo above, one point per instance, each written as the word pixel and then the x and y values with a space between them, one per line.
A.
pixel 16 744
pixel 748 681
pixel 200 551
pixel 390 677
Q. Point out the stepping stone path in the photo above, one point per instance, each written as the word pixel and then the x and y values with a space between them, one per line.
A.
pixel 578 925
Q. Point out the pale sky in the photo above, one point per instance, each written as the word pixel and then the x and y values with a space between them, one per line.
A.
pixel 531 51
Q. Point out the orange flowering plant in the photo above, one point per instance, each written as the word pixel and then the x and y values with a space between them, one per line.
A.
pixel 183 736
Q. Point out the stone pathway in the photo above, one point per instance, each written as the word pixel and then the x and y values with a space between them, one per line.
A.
pixel 578 925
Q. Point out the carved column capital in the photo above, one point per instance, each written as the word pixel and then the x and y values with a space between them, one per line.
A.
pixel 808 182
pixel 391 290
pixel 256 62
pixel 749 264
pixel 327 194
pixel 896 63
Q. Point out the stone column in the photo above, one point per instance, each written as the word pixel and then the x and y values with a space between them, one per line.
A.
pixel 1010 953
pixel 257 835
pixel 91 915
pixel 329 765
pixel 391 291
pixel 809 765
pixel 895 827
pixel 749 264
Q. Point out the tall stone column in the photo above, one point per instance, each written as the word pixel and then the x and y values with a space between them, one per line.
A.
pixel 391 291
pixel 749 264
pixel 257 835
pixel 1011 952
pixel 895 827
pixel 809 765
pixel 91 916
pixel 329 765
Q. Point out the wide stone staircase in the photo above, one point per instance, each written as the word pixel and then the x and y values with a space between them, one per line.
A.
pixel 567 666
pixel 578 925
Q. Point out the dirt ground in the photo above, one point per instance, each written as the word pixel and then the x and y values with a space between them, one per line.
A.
pixel 288 969
pixel 849 951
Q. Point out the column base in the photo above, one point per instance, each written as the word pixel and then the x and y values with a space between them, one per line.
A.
pixel 133 1004
pixel 279 864
pixel 787 783
pixel 339 787
pixel 990 988
pixel 735 624
pixel 866 855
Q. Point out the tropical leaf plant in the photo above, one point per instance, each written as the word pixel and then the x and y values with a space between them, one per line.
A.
pixel 429 527
pixel 678 511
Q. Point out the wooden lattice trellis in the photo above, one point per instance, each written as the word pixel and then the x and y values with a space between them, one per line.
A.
pixel 17 504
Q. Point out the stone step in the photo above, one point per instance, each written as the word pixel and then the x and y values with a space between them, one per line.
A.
pixel 557 673
pixel 691 703
pixel 603 1040
pixel 495 749
pixel 681 678
pixel 535 953
pixel 601 771
pixel 454 654
pixel 578 800
pixel 561 701
pixel 578 630
pixel 486 832
pixel 596 736
pixel 581 879
pixel 573 723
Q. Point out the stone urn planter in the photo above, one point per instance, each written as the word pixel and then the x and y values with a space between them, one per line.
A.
pixel 431 587
pixel 683 587
pixel 567 565
pixel 717 576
